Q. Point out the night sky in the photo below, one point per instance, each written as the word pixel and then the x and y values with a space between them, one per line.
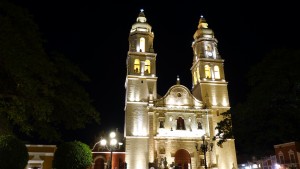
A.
pixel 94 36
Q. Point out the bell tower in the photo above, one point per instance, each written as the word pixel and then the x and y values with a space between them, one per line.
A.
pixel 210 86
pixel 141 90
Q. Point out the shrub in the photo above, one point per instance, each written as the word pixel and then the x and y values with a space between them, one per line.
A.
pixel 13 153
pixel 72 155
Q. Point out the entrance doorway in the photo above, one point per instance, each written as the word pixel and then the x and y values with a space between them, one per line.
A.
pixel 182 159
pixel 99 164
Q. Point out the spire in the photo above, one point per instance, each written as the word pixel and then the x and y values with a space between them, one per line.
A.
pixel 142 13
pixel 141 24
pixel 178 80
pixel 203 30
pixel 141 36
pixel 202 23
pixel 141 17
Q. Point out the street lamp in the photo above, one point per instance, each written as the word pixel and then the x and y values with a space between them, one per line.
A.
pixel 113 145
pixel 205 147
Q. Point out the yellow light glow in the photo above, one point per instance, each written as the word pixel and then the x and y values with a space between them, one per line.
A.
pixel 217 72
pixel 147 66
pixel 207 71
pixel 142 43
pixel 224 102
pixel 136 66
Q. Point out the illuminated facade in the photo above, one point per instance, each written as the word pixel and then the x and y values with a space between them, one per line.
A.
pixel 288 155
pixel 163 131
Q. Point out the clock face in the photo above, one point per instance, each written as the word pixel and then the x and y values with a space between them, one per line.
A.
pixel 209 53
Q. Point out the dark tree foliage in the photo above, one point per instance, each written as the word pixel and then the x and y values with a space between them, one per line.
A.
pixel 271 114
pixel 72 155
pixel 224 128
pixel 40 92
pixel 13 153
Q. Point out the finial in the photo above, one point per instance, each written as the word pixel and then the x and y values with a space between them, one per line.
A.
pixel 141 17
pixel 178 80
pixel 202 22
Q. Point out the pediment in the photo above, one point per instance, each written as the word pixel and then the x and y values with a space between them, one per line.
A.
pixel 180 97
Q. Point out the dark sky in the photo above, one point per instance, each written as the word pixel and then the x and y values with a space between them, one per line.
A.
pixel 94 36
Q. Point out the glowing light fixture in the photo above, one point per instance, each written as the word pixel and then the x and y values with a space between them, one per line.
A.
pixel 113 145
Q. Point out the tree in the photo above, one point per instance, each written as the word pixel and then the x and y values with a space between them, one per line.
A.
pixel 41 93
pixel 271 114
pixel 224 128
pixel 13 153
pixel 72 155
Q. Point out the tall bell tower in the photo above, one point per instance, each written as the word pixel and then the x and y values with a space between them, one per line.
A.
pixel 141 89
pixel 210 86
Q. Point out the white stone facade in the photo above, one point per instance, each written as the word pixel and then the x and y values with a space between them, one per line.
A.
pixel 162 132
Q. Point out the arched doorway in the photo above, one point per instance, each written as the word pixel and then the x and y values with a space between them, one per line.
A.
pixel 99 163
pixel 182 159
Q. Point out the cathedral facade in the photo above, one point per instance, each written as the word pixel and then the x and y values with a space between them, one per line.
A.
pixel 171 131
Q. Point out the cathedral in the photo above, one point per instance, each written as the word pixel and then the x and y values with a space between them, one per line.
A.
pixel 175 130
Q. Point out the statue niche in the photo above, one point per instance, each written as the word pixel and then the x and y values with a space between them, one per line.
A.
pixel 162 150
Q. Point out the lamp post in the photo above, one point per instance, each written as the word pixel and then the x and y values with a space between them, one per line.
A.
pixel 113 145
pixel 205 147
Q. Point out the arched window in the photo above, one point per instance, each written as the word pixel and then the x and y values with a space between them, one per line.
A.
pixel 180 124
pixel 281 158
pixel 217 72
pixel 161 124
pixel 136 66
pixel 147 67
pixel 199 125
pixel 208 47
pixel 207 71
pixel 292 156
pixel 142 44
